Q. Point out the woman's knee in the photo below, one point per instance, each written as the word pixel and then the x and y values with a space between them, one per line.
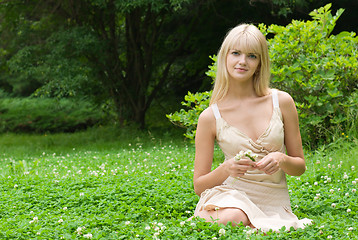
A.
pixel 233 215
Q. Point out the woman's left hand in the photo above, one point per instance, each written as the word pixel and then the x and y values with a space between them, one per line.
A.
pixel 270 164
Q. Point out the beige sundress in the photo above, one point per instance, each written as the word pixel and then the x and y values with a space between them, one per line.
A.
pixel 264 198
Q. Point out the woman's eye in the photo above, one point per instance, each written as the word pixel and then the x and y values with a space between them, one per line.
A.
pixel 235 53
pixel 252 56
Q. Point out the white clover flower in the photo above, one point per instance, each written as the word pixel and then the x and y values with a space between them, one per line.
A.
pixel 350 229
pixel 354 182
pixel 182 223
pixel 156 229
pixel 329 179
pixel 329 237
pixel 82 194
pixel 15 186
pixel 333 205
pixel 60 220
pixel 347 194
pixel 88 235
pixel 222 232
pixel 127 222
pixel 345 176
pixel 315 183
pixel 353 168
pixel 192 224
pixel 34 220
pixel 79 230
pixel 214 238
pixel 147 228
pixel 354 190
pixel 65 208
pixel 349 210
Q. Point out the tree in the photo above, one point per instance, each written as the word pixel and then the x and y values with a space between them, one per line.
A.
pixel 129 46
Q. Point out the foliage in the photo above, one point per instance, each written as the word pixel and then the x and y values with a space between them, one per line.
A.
pixel 318 69
pixel 78 186
pixel 41 115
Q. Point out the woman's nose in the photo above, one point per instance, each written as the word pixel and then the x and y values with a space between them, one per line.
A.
pixel 242 59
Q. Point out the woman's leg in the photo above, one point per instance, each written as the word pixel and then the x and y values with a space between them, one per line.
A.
pixel 225 215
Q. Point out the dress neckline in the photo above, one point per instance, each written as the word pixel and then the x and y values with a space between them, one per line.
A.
pixel 262 135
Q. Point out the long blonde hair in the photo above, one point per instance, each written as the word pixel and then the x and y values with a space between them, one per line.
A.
pixel 253 40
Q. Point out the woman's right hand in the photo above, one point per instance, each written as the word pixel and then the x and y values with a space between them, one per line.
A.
pixel 238 168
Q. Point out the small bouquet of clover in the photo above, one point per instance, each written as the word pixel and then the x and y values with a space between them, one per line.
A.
pixel 247 153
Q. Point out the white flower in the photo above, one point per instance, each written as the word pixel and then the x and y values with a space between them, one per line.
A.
pixel 353 168
pixel 354 190
pixel 331 191
pixel 88 235
pixel 182 223
pixel 329 179
pixel 354 182
pixel 315 183
pixel 147 228
pixel 329 237
pixel 345 176
pixel 60 220
pixel 349 210
pixel 350 229
pixel 192 224
pixel 214 238
pixel 79 230
pixel 127 222
pixel 65 208
pixel 34 220
pixel 82 194
pixel 15 186
pixel 333 205
pixel 222 232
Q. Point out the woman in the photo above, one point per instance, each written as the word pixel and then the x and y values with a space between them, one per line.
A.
pixel 245 114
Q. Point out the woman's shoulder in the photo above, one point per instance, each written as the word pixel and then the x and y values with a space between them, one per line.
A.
pixel 207 115
pixel 284 98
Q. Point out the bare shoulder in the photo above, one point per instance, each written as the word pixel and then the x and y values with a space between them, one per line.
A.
pixel 285 100
pixel 207 116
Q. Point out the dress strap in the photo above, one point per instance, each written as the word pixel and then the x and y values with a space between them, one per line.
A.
pixel 216 111
pixel 275 98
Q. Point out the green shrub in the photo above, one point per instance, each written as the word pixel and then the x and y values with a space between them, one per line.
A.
pixel 318 69
pixel 40 115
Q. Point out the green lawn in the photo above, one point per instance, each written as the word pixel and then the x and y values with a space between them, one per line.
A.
pixel 125 184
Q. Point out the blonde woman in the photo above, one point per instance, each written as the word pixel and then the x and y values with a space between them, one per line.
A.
pixel 245 114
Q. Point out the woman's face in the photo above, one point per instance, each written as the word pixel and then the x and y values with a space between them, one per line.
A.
pixel 241 65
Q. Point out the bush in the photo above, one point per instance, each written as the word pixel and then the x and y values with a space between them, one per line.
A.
pixel 40 115
pixel 318 69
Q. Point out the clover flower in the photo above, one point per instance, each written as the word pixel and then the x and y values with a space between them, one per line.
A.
pixel 88 235
pixel 79 230
pixel 34 220
pixel 248 154
pixel 222 232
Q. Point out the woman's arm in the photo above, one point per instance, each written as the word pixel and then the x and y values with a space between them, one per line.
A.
pixel 293 162
pixel 204 178
pixel 204 151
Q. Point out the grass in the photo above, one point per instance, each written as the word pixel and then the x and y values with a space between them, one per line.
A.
pixel 124 184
